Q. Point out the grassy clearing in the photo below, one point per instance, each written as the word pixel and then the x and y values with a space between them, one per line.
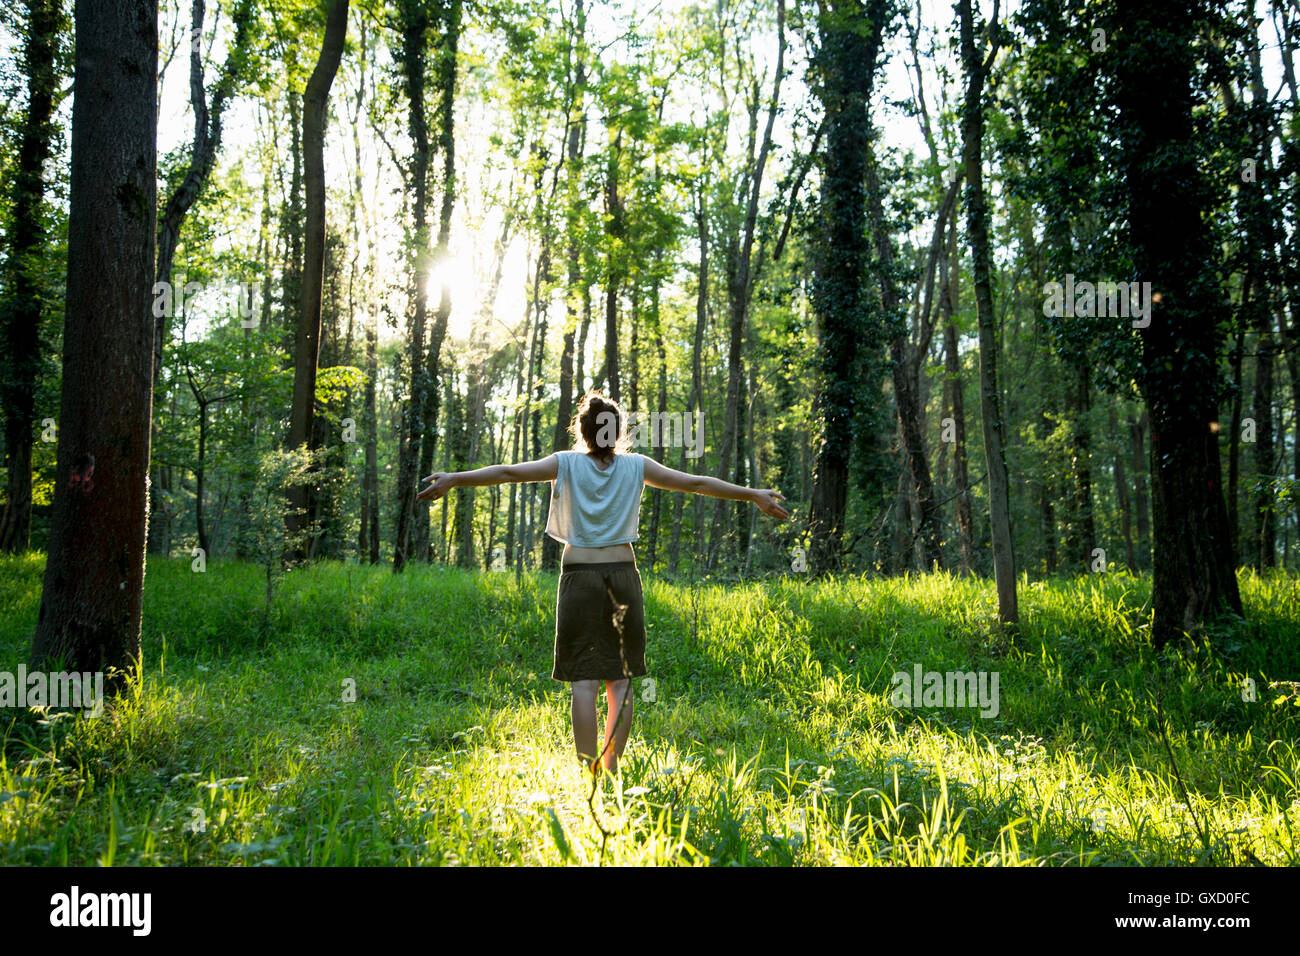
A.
pixel 771 739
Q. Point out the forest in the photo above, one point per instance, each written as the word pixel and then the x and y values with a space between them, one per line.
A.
pixel 1004 298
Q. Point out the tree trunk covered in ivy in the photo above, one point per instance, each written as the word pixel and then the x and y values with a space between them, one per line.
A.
pixel 412 55
pixel 448 60
pixel 1193 576
pixel 851 35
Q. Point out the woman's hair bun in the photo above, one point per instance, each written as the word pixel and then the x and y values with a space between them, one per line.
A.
pixel 600 425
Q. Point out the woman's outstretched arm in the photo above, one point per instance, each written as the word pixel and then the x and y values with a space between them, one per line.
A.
pixel 767 500
pixel 441 482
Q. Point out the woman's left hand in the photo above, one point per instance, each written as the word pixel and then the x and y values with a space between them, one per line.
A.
pixel 440 484
pixel 769 502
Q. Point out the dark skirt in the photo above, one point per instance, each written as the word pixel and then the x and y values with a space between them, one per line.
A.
pixel 592 640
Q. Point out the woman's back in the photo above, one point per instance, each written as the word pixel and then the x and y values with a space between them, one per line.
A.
pixel 600 630
pixel 595 507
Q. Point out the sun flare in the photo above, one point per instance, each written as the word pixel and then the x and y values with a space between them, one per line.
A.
pixel 457 275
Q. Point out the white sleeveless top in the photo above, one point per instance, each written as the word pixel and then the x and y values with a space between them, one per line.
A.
pixel 591 508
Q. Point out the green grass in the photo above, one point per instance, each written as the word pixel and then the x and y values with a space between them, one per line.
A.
pixel 772 738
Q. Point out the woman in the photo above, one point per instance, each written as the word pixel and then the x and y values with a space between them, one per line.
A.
pixel 599 611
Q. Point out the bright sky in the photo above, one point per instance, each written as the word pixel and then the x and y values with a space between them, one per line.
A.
pixel 484 177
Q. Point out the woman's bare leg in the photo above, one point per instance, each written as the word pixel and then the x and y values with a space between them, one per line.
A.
pixel 584 720
pixel 619 726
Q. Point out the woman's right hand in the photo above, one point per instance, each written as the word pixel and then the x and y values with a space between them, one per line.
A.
pixel 768 500
pixel 440 484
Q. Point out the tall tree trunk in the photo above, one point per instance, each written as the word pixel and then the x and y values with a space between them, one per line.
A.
pixel 957 404
pixel 787 473
pixel 457 428
pixel 1265 522
pixel 1122 493
pixel 580 355
pixel 1047 510
pixel 245 546
pixel 370 487
pixel 633 353
pixel 740 288
pixel 516 433
pixel 1194 579
pixel 559 442
pixel 975 68
pixel 1290 258
pixel 291 293
pixel 459 434
pixel 475 396
pixel 1263 238
pixel 307 340
pixel 697 349
pixel 533 419
pixel 448 66
pixel 1083 528
pixel 368 541
pixel 20 309
pixel 851 41
pixel 900 545
pixel 92 595
pixel 1291 343
pixel 614 230
pixel 910 406
pixel 575 124
pixel 412 57
pixel 741 475
pixel 661 407
pixel 200 476
pixel 269 246
pixel 1137 429
pixel 1234 433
